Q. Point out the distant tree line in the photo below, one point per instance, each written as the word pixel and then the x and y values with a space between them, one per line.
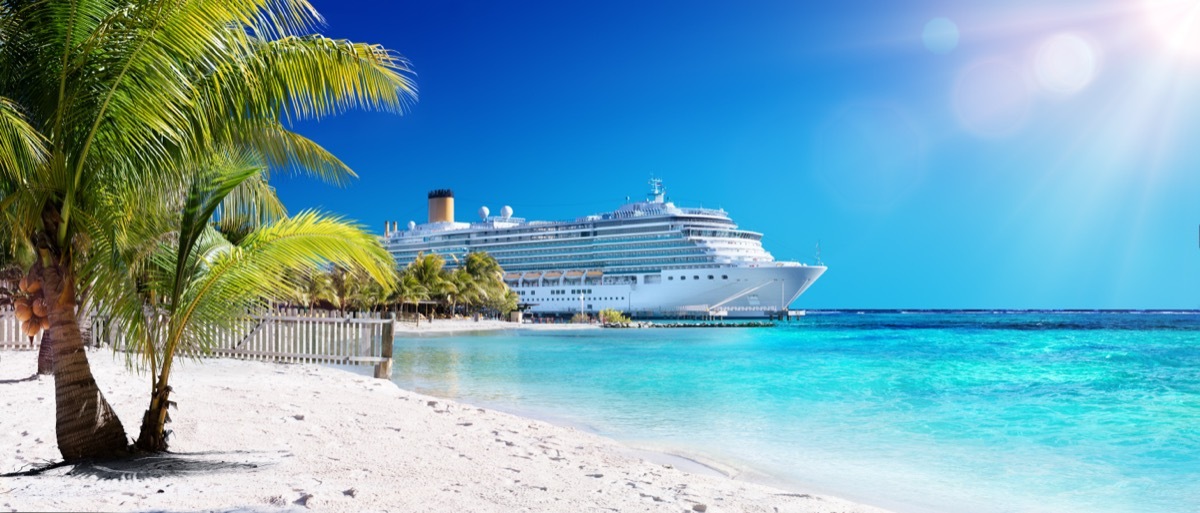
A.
pixel 425 287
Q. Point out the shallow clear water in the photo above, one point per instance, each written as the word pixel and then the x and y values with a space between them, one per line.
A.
pixel 921 412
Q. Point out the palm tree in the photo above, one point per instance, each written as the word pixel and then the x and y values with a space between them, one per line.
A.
pixel 311 286
pixel 410 290
pixel 342 287
pixel 467 289
pixel 10 273
pixel 174 286
pixel 427 270
pixel 104 100
pixel 489 276
pixel 484 267
pixel 353 289
pixel 371 294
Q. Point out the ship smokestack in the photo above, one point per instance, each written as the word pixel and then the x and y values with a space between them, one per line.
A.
pixel 441 206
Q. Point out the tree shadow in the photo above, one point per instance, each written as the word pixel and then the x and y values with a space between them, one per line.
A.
pixel 164 465
pixel 245 509
pixel 235 510
pixel 22 380
pixel 150 466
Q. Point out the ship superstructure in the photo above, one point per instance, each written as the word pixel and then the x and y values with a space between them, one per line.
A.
pixel 648 258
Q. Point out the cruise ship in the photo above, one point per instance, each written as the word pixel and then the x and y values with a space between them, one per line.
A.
pixel 647 258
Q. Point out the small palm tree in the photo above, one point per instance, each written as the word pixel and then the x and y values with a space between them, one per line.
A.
pixel 176 294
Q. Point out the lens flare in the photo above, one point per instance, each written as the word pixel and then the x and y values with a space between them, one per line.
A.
pixel 991 98
pixel 940 36
pixel 1176 23
pixel 1065 64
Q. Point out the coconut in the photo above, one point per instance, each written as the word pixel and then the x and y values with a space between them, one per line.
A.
pixel 23 312
pixel 45 323
pixel 39 307
pixel 31 327
pixel 35 284
pixel 24 285
pixel 20 302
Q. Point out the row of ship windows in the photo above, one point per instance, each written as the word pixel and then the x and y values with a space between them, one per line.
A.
pixel 611 269
pixel 723 234
pixel 557 233
pixel 672 232
pixel 614 298
pixel 557 292
pixel 697 277
pixel 661 261
pixel 523 265
pixel 573 292
pixel 627 255
pixel 630 243
pixel 615 252
pixel 452 246
pixel 500 253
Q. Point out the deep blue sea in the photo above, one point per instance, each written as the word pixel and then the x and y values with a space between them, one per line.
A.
pixel 916 412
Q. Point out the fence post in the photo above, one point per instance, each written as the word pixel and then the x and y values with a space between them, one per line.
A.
pixel 383 370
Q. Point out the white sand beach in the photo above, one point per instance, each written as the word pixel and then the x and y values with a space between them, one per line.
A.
pixel 252 436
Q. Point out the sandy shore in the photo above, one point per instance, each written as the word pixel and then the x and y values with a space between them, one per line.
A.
pixel 254 436
pixel 467 325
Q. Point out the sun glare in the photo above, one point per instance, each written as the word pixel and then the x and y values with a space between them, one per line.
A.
pixel 1065 64
pixel 991 98
pixel 1176 23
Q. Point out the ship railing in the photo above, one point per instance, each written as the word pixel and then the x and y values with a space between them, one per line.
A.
pixel 704 212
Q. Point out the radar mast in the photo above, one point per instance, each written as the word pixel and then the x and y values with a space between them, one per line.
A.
pixel 657 192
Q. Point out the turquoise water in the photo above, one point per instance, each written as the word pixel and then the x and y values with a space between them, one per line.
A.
pixel 919 412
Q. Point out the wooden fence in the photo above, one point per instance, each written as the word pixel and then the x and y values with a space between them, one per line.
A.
pixel 289 336
pixel 11 336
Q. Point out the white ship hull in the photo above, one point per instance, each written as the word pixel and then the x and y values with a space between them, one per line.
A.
pixel 733 292
pixel 647 258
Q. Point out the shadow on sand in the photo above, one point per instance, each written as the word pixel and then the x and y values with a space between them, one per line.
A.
pixel 176 464
pixel 22 380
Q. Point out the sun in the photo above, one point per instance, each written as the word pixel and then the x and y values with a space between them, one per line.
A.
pixel 1176 23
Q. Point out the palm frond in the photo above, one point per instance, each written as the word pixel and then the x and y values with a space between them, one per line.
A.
pixel 293 153
pixel 22 147
pixel 240 279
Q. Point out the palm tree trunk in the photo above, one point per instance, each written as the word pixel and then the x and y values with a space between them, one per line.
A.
pixel 46 354
pixel 86 425
pixel 153 436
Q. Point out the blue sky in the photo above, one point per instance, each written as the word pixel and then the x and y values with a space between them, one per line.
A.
pixel 1016 154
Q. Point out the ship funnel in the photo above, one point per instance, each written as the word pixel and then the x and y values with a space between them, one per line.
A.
pixel 441 206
